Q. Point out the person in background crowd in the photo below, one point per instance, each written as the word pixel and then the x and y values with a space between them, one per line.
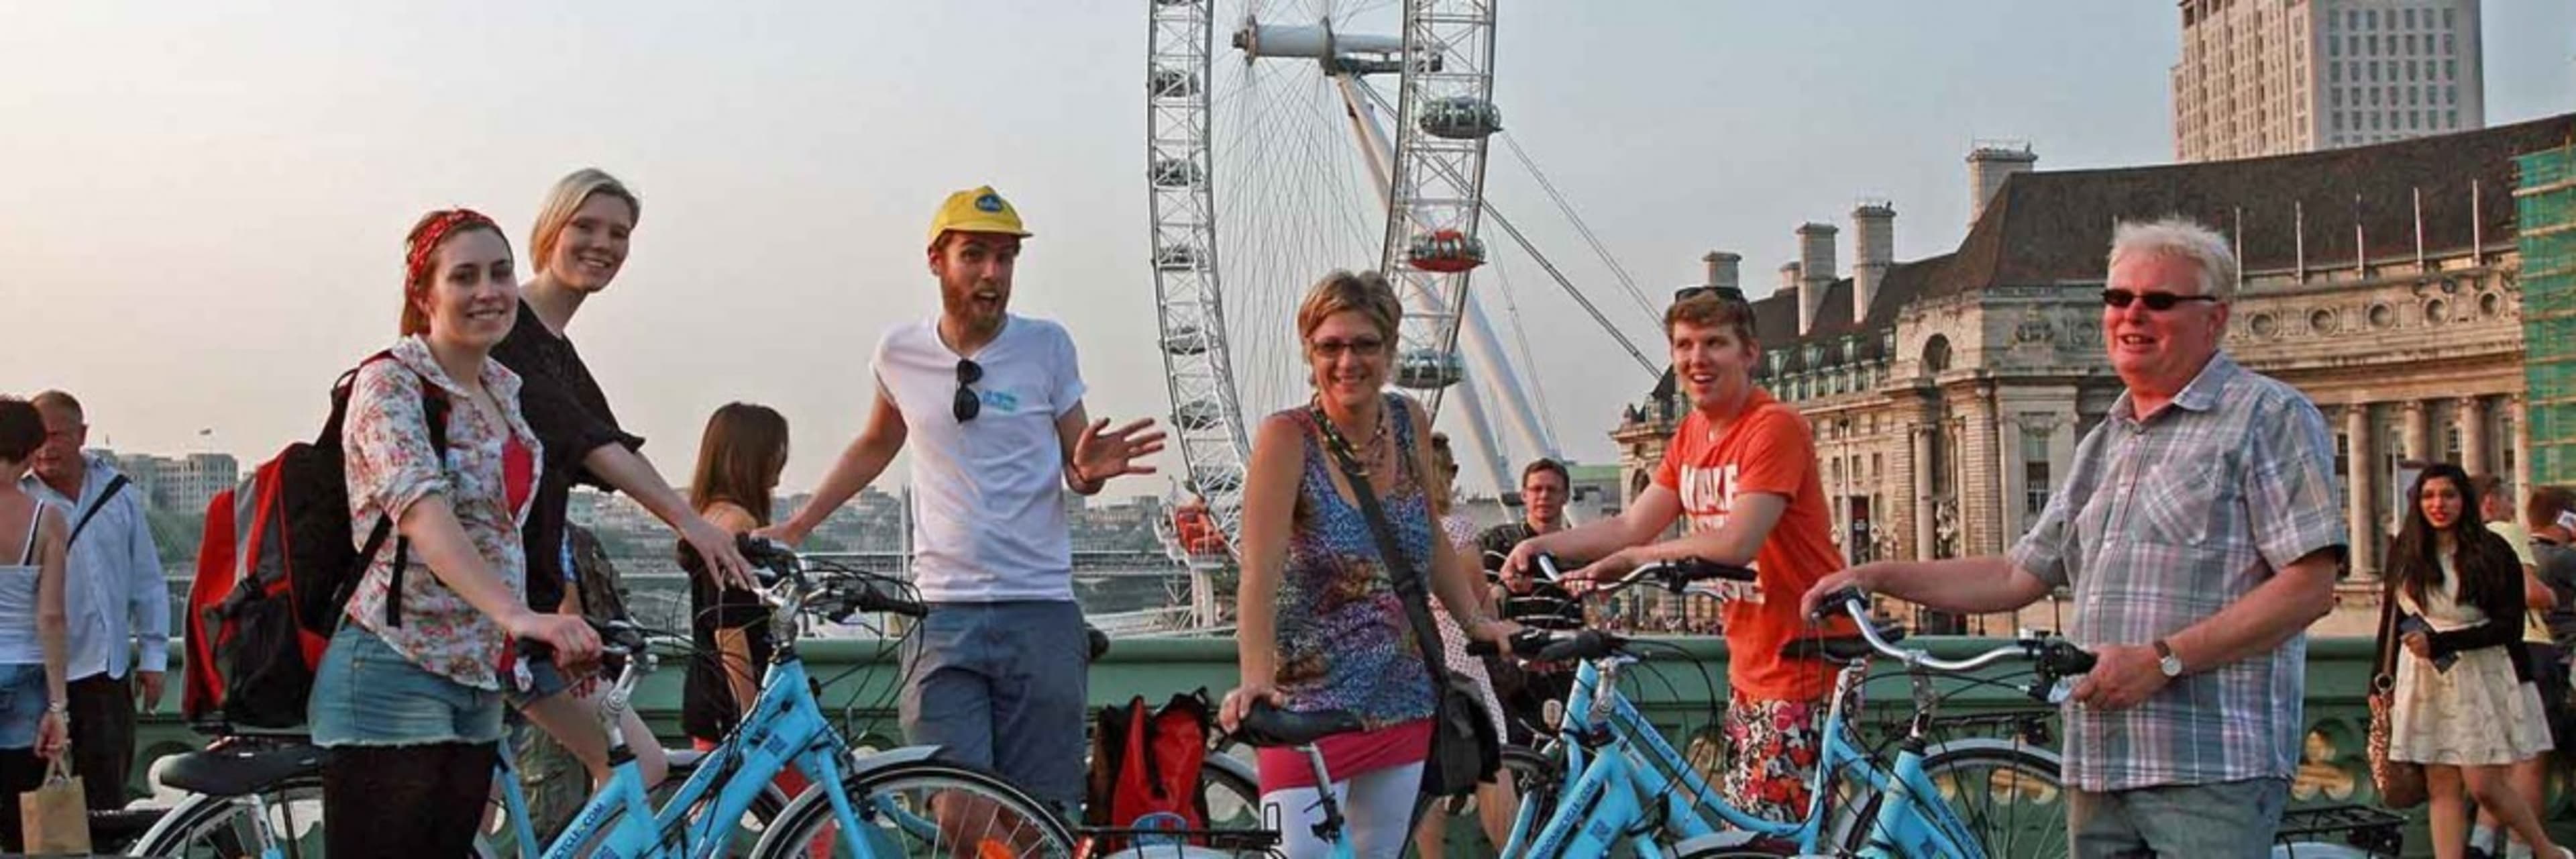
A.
pixel 1527 685
pixel 118 601
pixel 407 700
pixel 1496 800
pixel 2540 658
pixel 33 641
pixel 2460 710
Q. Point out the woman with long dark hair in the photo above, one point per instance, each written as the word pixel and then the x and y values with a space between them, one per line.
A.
pixel 739 460
pixel 2461 710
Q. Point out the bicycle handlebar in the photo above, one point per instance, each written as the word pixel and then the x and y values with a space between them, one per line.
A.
pixel 2054 657
pixel 1673 576
pixel 838 596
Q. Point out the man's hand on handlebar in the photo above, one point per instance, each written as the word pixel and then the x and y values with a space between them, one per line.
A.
pixel 2122 676
pixel 724 563
pixel 1612 568
pixel 1813 600
pixel 1521 567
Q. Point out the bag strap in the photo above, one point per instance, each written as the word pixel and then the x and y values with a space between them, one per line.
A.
pixel 2383 661
pixel 433 410
pixel 1411 588
pixel 104 496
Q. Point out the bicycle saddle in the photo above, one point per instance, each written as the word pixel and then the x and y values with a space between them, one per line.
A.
pixel 241 766
pixel 1266 726
pixel 1841 650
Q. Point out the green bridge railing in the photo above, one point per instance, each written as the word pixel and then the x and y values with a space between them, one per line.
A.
pixel 860 678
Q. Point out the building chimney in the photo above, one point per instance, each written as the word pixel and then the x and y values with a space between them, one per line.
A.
pixel 1815 271
pixel 1873 250
pixel 1989 164
pixel 1725 270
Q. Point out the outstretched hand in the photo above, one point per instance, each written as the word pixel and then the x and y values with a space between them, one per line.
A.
pixel 1103 453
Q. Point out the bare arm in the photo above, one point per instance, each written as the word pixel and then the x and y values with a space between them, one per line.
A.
pixel 1654 511
pixel 1747 525
pixel 1269 510
pixel 865 458
pixel 2269 614
pixel 632 474
pixel 53 621
pixel 733 644
pixel 2536 595
pixel 1959 585
pixel 1095 453
pixel 439 541
pixel 1069 428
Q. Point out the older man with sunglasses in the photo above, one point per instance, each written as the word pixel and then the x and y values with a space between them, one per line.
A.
pixel 991 406
pixel 2200 531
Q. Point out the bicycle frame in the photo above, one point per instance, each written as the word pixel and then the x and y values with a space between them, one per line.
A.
pixel 785 728
pixel 1602 800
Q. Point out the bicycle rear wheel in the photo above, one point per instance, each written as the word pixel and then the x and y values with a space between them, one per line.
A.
pixel 2007 795
pixel 901 805
pixel 231 826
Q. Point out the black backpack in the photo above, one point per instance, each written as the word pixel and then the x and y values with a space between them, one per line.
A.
pixel 275 570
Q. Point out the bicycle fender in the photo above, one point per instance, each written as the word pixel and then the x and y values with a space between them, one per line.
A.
pixel 1727 840
pixel 862 764
pixel 1967 743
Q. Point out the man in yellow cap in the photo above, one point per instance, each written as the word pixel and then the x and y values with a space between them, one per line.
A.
pixel 990 404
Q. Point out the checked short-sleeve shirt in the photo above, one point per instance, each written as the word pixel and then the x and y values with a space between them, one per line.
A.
pixel 2161 524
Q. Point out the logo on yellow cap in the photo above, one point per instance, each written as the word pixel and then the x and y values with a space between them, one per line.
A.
pixel 976 210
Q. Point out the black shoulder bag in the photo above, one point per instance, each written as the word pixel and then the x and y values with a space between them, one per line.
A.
pixel 1464 748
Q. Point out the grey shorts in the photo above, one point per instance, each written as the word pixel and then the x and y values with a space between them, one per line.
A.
pixel 2225 819
pixel 1002 687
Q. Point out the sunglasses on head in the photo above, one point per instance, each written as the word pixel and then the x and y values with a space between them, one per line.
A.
pixel 1724 293
pixel 967 405
pixel 2157 301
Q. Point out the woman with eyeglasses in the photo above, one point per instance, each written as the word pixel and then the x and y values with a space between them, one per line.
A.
pixel 1321 625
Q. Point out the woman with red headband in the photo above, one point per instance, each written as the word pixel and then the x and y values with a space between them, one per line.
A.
pixel 408 698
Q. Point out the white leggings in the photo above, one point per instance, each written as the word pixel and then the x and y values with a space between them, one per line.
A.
pixel 1376 809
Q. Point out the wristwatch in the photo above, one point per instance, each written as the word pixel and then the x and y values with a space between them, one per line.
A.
pixel 2166 661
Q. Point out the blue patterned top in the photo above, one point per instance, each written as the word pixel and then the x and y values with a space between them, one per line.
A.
pixel 1344 643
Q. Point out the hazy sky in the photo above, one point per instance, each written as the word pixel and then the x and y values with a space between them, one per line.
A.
pixel 202 204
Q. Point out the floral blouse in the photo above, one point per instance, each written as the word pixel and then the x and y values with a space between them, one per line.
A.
pixel 486 479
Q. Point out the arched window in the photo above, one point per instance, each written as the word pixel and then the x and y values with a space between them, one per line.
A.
pixel 1936 354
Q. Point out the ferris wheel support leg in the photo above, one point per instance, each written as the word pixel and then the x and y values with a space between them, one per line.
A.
pixel 1489 450
pixel 1485 351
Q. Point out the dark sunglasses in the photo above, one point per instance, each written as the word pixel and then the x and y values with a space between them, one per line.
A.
pixel 1724 293
pixel 1331 350
pixel 2156 301
pixel 967 405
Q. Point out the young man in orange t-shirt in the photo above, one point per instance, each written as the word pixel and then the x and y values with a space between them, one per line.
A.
pixel 1741 476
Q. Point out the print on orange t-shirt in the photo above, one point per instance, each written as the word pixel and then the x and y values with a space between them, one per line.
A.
pixel 1767 449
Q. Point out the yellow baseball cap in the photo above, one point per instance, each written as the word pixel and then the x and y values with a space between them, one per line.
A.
pixel 977 210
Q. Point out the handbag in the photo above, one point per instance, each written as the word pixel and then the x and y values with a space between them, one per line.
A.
pixel 1464 748
pixel 2400 783
pixel 55 816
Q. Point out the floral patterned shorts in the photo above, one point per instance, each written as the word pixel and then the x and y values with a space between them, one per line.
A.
pixel 1775 746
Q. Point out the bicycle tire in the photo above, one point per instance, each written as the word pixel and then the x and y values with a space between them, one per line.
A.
pixel 2030 820
pixel 1232 793
pixel 904 788
pixel 223 826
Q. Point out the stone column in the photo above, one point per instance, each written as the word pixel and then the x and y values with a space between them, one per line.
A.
pixel 2360 490
pixel 2520 443
pixel 2472 422
pixel 1923 537
pixel 2418 430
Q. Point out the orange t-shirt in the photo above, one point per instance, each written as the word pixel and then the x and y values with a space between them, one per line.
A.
pixel 1766 449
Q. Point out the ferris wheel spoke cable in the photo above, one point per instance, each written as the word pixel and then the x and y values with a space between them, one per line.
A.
pixel 1626 281
pixel 1520 333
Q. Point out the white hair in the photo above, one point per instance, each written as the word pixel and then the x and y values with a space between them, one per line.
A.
pixel 2180 238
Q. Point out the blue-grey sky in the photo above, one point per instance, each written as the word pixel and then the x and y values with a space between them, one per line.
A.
pixel 202 204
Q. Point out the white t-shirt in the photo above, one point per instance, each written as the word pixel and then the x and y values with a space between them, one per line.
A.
pixel 988 520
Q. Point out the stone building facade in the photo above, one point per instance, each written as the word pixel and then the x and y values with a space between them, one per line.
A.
pixel 1947 395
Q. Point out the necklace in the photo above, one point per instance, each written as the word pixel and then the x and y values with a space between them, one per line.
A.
pixel 1333 436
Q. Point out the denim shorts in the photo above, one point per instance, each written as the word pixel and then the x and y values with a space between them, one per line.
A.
pixel 22 705
pixel 365 694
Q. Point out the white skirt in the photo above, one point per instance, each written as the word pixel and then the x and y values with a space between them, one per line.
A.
pixel 2475 714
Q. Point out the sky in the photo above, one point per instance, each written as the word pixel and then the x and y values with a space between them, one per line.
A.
pixel 202 205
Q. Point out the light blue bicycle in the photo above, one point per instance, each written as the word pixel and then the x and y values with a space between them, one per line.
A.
pixel 897 804
pixel 1625 785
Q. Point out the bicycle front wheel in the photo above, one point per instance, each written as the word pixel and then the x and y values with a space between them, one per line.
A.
pixel 921 809
pixel 2008 797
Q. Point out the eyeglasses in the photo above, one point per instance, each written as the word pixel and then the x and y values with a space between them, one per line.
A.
pixel 2156 301
pixel 967 405
pixel 1723 293
pixel 1332 350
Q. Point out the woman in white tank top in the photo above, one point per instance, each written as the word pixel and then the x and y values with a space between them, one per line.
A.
pixel 32 543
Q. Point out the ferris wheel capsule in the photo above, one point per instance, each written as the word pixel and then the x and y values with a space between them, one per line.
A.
pixel 1176 258
pixel 1176 173
pixel 1429 369
pixel 1461 117
pixel 1185 339
pixel 1445 251
pixel 1199 415
pixel 1172 83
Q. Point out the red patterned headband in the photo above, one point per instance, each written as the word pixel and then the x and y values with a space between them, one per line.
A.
pixel 433 230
